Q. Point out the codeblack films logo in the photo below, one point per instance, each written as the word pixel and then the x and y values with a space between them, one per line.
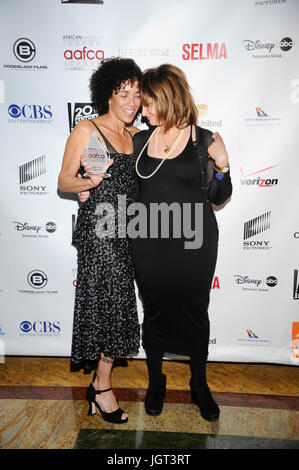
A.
pixel 82 52
pixel 29 230
pixel 30 114
pixel 80 112
pixel 40 328
pixel 296 285
pixel 37 280
pixel 24 51
pixel 29 171
pixel 252 239
pixel 256 284
pixel 265 49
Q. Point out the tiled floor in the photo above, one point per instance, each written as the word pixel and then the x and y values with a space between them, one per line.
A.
pixel 42 406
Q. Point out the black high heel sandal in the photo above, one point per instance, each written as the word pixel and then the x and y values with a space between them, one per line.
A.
pixel 208 408
pixel 114 417
pixel 155 395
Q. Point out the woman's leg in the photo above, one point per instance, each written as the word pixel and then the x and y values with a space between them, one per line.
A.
pixel 102 381
pixel 157 383
pixel 200 392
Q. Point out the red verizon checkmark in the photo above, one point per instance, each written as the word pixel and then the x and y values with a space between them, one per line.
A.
pixel 255 172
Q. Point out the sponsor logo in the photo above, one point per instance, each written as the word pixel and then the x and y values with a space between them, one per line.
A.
pixel 79 112
pixel 296 285
pixel 35 231
pixel 254 227
pixel 258 182
pixel 203 111
pixel 29 171
pixel 204 51
pixel 2 333
pixel 296 235
pixel 24 51
pixel 32 169
pixel 267 3
pixel 40 328
pixel 37 280
pixel 256 284
pixel 137 52
pixel 268 49
pixel 30 114
pixel 261 119
pixel 82 52
pixel 253 340
pixel 295 343
pixel 216 283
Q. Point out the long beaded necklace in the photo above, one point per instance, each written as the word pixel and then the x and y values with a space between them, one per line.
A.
pixel 167 151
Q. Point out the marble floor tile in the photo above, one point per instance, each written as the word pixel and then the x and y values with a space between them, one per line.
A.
pixel 54 424
pixel 117 439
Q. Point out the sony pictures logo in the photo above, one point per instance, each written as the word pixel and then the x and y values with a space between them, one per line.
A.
pixel 253 228
pixel 40 328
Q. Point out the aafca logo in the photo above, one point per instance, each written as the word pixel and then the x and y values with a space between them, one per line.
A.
pixel 82 52
pixel 80 112
pixel 40 328
pixel 37 280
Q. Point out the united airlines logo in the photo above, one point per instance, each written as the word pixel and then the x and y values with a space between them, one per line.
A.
pixel 32 169
pixel 253 228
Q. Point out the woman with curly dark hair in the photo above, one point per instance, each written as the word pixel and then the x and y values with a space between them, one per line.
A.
pixel 105 316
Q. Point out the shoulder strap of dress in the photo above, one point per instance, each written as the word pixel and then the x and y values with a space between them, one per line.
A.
pixel 108 145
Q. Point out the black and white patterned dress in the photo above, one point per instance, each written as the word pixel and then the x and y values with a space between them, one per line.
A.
pixel 105 314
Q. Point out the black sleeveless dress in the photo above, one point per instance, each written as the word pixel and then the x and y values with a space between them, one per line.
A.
pixel 174 282
pixel 105 314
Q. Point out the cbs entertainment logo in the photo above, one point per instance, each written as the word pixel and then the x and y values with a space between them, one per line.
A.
pixel 40 328
pixel 37 280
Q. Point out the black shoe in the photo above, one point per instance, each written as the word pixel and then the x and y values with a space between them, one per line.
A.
pixel 202 397
pixel 154 398
pixel 114 417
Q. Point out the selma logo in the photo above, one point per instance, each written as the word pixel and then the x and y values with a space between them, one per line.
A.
pixel 204 51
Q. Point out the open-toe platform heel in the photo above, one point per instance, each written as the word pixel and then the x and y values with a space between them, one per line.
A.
pixel 114 417
pixel 154 398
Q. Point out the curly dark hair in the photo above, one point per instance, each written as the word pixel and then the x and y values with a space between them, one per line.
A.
pixel 109 77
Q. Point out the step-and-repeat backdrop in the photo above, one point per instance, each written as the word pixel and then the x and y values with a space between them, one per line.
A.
pixel 241 59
